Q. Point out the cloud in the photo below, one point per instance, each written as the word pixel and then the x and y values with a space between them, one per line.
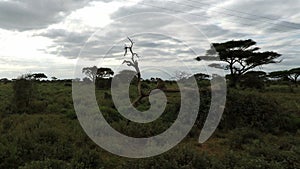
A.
pixel 69 25
pixel 65 43
pixel 24 15
pixel 257 15
pixel 209 16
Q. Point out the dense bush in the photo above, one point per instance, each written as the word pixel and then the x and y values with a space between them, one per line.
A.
pixel 254 80
pixel 179 158
pixel 46 164
pixel 248 138
pixel 253 110
pixel 23 95
pixel 103 83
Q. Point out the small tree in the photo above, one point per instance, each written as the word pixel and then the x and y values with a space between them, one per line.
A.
pixel 54 78
pixel 201 76
pixel 279 75
pixel 104 73
pixel 287 75
pixel 240 57
pixel 38 76
pixel 133 62
pixel 86 80
pixel 23 94
pixel 293 75
pixel 91 72
pixel 94 73
pixel 254 79
pixel 124 74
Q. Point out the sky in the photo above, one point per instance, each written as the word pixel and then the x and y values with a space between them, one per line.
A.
pixel 59 37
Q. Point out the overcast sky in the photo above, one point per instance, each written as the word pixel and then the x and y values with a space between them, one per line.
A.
pixel 49 35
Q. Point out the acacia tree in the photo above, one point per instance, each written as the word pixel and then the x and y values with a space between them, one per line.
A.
pixel 103 77
pixel 104 73
pixel 287 75
pixel 201 76
pixel 281 75
pixel 39 76
pixel 293 75
pixel 253 79
pixel 240 57
pixel 93 72
pixel 90 72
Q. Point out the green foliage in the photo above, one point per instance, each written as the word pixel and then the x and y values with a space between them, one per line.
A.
pixel 46 164
pixel 86 159
pixel 258 130
pixel 105 72
pixel 179 158
pixel 240 137
pixel 103 83
pixel 240 57
pixel 24 92
pixel 253 110
pixel 253 79
pixel 90 72
pixel 45 141
pixel 287 75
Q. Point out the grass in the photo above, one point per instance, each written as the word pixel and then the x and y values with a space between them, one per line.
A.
pixel 31 140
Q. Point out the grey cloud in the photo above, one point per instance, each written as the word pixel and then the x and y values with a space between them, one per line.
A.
pixel 61 35
pixel 36 14
pixel 70 42
pixel 151 6
pixel 283 26
pixel 73 42
pixel 260 15
pixel 161 49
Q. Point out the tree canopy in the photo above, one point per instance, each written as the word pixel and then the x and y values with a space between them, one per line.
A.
pixel 90 72
pixel 104 73
pixel 294 74
pixel 240 57
pixel 93 72
pixel 201 76
pixel 287 75
pixel 39 76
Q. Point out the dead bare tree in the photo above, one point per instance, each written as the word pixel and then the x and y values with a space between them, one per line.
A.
pixel 134 63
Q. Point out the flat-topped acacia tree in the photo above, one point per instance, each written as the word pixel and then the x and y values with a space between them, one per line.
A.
pixel 240 57
pixel 95 73
pixel 287 75
pixel 293 75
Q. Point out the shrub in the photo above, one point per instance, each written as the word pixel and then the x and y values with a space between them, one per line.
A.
pixel 23 95
pixel 286 159
pixel 86 159
pixel 242 136
pixel 252 110
pixel 46 164
pixel 179 158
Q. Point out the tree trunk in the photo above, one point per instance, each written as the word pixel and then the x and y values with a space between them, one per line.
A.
pixel 233 81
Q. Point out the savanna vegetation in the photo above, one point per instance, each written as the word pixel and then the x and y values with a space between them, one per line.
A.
pixel 259 128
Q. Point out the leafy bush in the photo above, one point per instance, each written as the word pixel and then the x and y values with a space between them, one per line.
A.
pixel 242 136
pixel 86 159
pixel 253 110
pixel 23 95
pixel 179 158
pixel 46 164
